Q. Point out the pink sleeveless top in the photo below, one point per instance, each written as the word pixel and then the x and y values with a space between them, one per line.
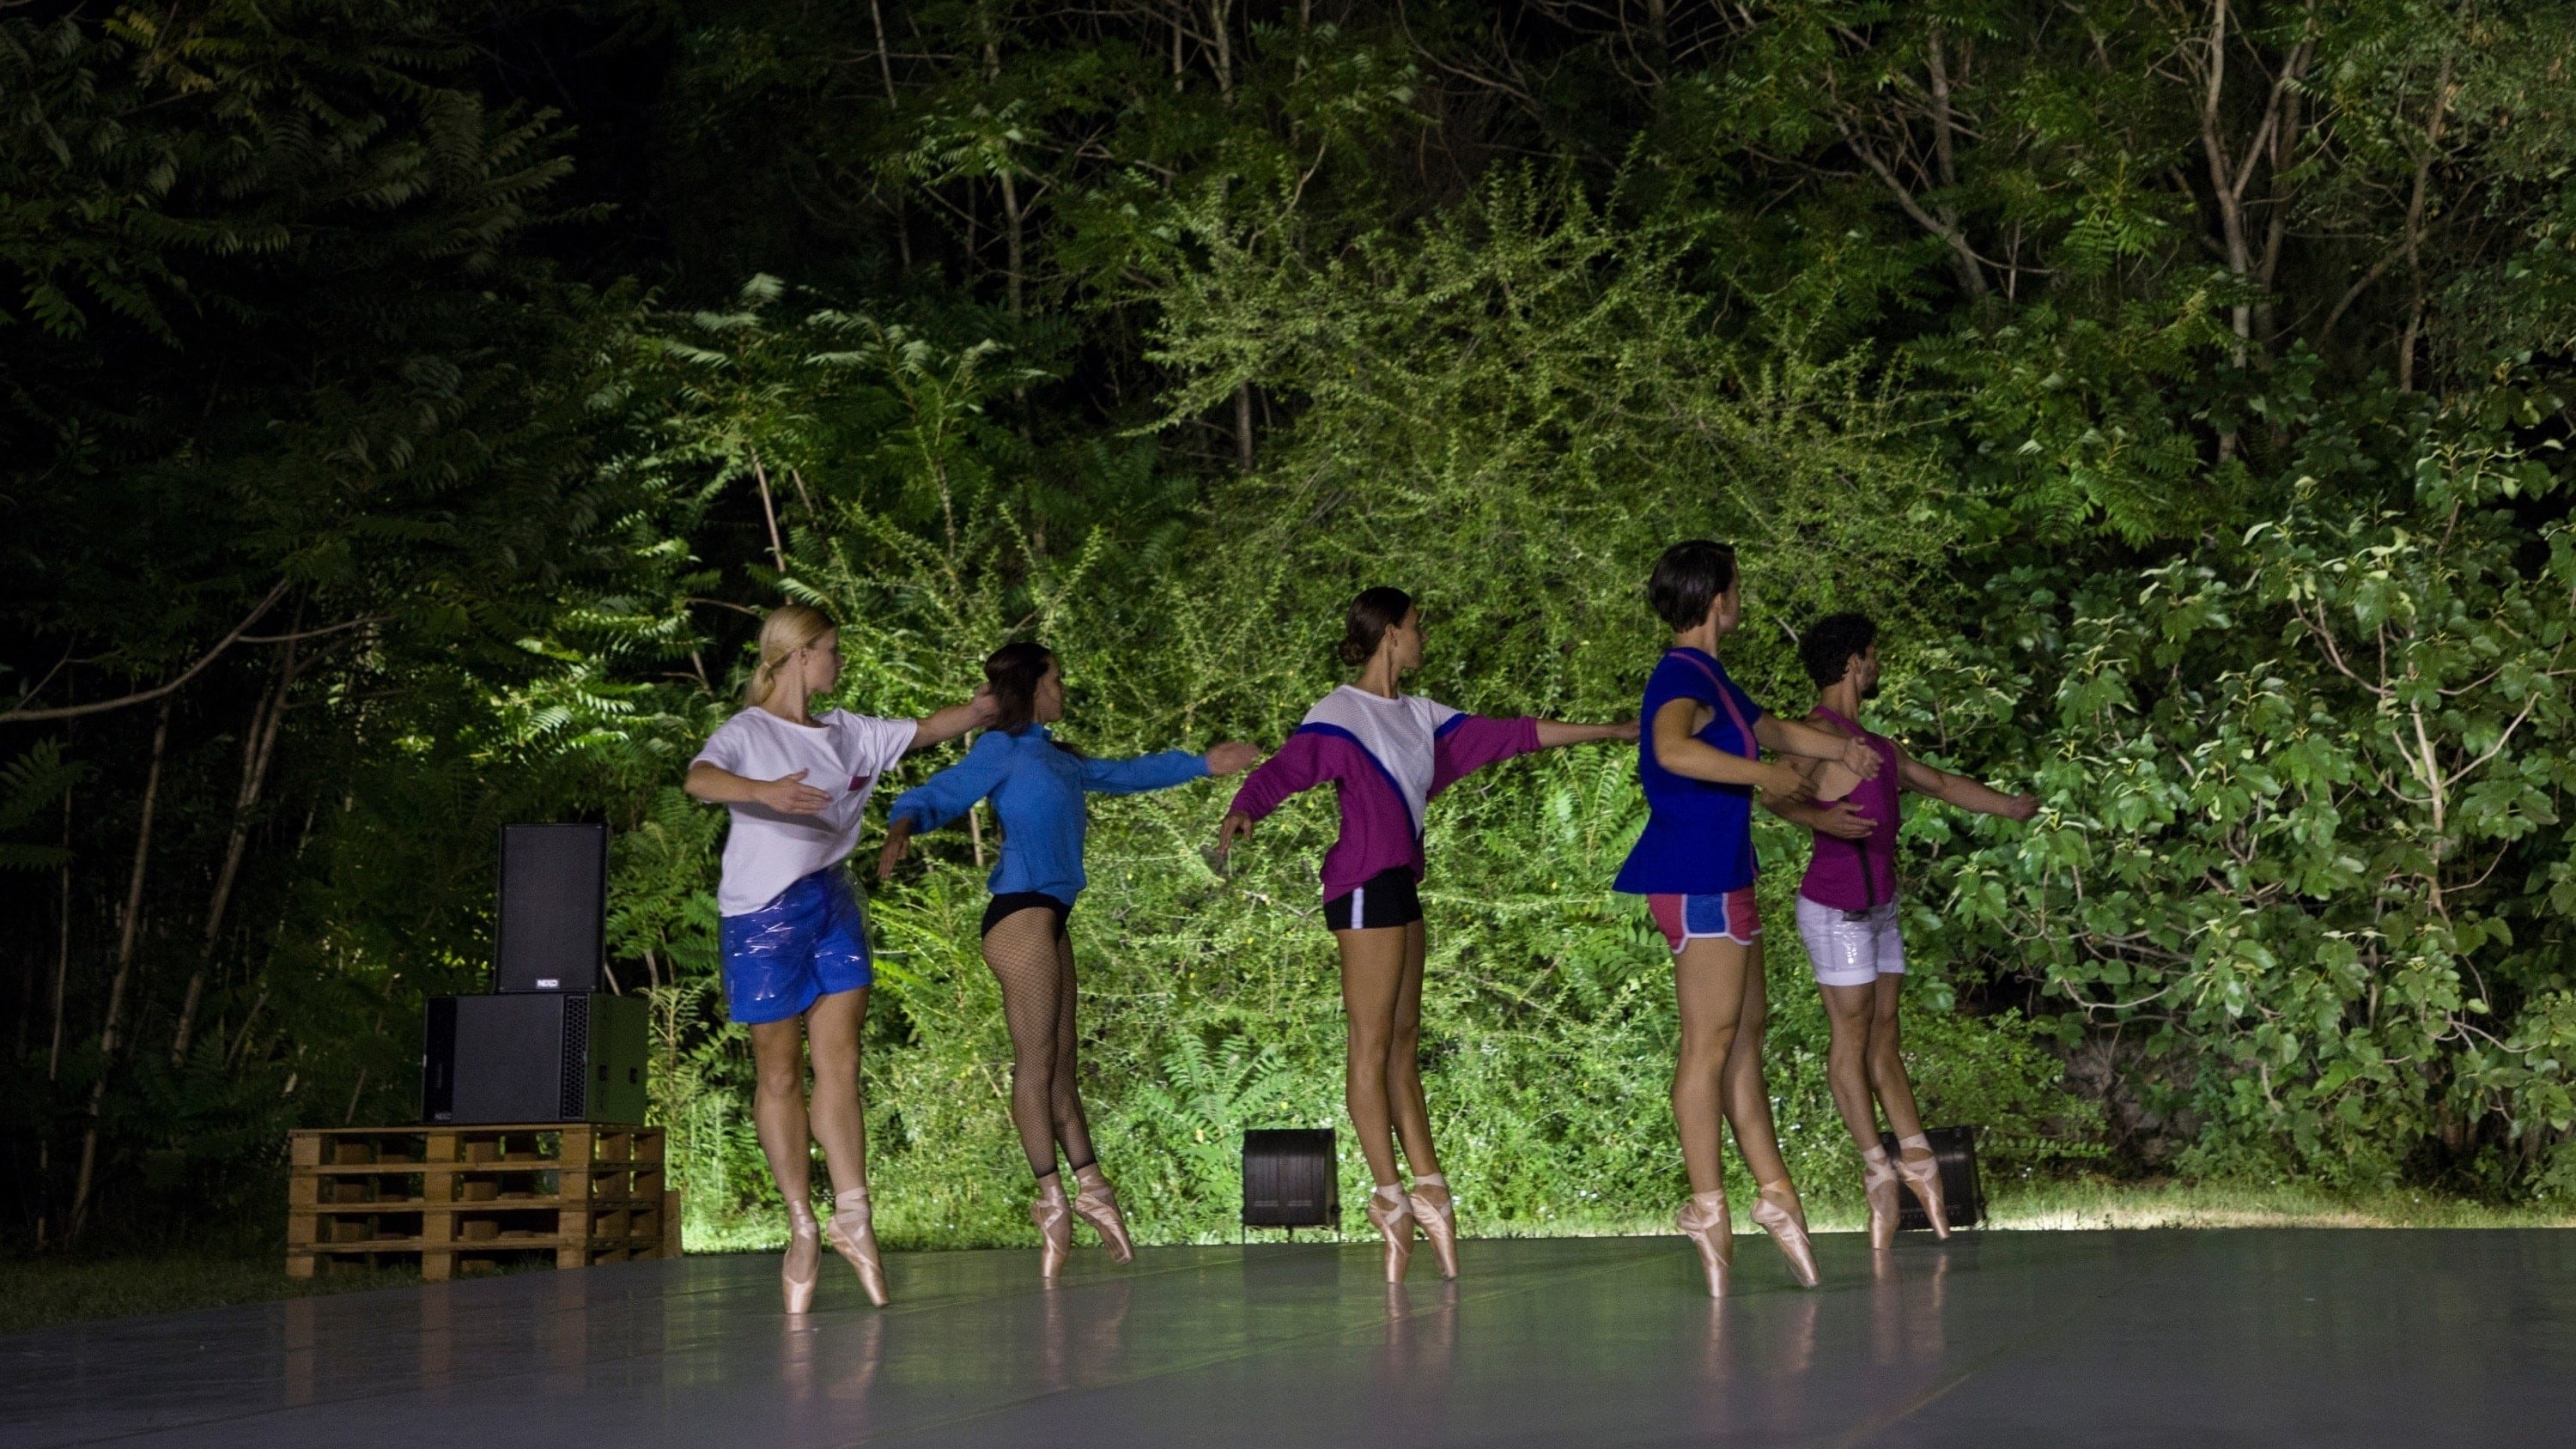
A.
pixel 1858 875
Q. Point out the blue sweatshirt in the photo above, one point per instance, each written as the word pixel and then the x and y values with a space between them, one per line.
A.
pixel 1037 790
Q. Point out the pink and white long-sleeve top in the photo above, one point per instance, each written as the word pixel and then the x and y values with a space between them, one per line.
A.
pixel 1386 758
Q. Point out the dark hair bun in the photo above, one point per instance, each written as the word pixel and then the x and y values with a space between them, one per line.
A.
pixel 1373 613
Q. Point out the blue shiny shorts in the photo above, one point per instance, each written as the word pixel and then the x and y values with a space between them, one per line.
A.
pixel 808 944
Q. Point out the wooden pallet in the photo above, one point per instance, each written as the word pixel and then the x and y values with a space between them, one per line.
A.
pixel 466 1199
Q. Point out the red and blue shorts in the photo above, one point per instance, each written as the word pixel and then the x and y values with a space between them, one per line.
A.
pixel 1684 919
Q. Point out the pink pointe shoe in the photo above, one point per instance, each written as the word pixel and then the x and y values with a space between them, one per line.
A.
pixel 853 1235
pixel 1097 1204
pixel 1439 1223
pixel 1052 1215
pixel 802 1268
pixel 1775 1211
pixel 1704 1222
pixel 1924 1178
pixel 1879 1185
pixel 1394 1222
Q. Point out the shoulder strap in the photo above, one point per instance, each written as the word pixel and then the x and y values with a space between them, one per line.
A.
pixel 1726 701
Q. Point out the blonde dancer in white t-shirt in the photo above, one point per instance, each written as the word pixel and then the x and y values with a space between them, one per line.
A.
pixel 796 964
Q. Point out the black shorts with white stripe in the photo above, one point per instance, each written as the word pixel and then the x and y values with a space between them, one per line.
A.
pixel 1387 899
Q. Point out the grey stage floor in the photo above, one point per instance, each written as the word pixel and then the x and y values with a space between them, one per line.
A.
pixel 2204 1338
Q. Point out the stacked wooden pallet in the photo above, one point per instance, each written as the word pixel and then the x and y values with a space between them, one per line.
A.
pixel 463 1199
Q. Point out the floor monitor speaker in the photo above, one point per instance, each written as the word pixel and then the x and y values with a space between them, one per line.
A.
pixel 553 926
pixel 1955 1148
pixel 548 1056
pixel 1290 1178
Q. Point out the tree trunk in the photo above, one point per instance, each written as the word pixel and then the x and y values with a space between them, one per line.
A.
pixel 63 953
pixel 259 746
pixel 126 935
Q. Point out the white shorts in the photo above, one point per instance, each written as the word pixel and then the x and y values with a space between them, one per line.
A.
pixel 1851 952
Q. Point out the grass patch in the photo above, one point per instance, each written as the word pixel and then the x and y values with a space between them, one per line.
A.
pixel 2081 1204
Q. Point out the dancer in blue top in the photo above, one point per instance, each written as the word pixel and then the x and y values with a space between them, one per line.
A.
pixel 1700 762
pixel 1037 787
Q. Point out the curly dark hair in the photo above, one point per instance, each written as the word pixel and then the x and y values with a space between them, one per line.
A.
pixel 1829 644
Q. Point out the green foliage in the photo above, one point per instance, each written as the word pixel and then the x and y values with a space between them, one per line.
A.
pixel 2186 403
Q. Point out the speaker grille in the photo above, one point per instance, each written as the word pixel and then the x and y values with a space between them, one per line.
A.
pixel 576 1058
pixel 550 935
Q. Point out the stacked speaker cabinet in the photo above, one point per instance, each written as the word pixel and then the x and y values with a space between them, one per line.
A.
pixel 548 1045
pixel 553 929
pixel 553 1056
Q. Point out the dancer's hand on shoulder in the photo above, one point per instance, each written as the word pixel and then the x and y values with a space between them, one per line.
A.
pixel 790 795
pixel 983 708
pixel 1626 729
pixel 1843 821
pixel 1860 759
pixel 1232 758
pixel 1237 826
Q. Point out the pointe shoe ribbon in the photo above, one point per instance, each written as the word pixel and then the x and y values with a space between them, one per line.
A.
pixel 1052 1215
pixel 802 1266
pixel 1439 1224
pixel 1704 1221
pixel 853 1235
pixel 1925 1179
pixel 1878 1185
pixel 1394 1222
pixel 1782 1221
pixel 1097 1204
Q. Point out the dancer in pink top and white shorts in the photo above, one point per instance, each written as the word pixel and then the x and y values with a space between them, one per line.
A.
pixel 1387 754
pixel 1847 915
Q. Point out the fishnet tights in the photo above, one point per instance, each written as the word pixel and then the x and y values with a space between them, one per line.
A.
pixel 1034 964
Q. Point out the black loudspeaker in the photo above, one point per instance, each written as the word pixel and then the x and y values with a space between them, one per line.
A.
pixel 548 1056
pixel 1289 1178
pixel 1955 1149
pixel 553 928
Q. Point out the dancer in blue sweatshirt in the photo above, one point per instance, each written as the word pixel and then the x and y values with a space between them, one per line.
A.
pixel 1037 787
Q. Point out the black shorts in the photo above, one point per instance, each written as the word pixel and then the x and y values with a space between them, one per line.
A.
pixel 1004 905
pixel 1387 898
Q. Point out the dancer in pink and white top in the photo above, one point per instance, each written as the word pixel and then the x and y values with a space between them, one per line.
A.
pixel 1387 754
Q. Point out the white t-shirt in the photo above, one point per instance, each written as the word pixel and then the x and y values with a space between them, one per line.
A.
pixel 842 755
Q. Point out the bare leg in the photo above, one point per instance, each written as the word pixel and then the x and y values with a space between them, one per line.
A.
pixel 1886 1059
pixel 839 1115
pixel 1373 971
pixel 1851 1009
pixel 1064 1097
pixel 1708 986
pixel 1405 1101
pixel 1748 1100
pixel 1021 951
pixel 778 1108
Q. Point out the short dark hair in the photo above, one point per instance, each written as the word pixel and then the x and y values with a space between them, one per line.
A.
pixel 1829 644
pixel 1688 578
pixel 1373 613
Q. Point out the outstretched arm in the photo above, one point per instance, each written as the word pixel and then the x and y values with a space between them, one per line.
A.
pixel 1794 737
pixel 947 724
pixel 1299 765
pixel 1679 750
pixel 1552 733
pixel 1961 791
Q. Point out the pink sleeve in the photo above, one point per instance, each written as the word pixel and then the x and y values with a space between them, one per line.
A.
pixel 1470 742
pixel 1299 765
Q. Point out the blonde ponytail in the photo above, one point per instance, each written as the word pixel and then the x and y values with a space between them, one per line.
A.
pixel 788 628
